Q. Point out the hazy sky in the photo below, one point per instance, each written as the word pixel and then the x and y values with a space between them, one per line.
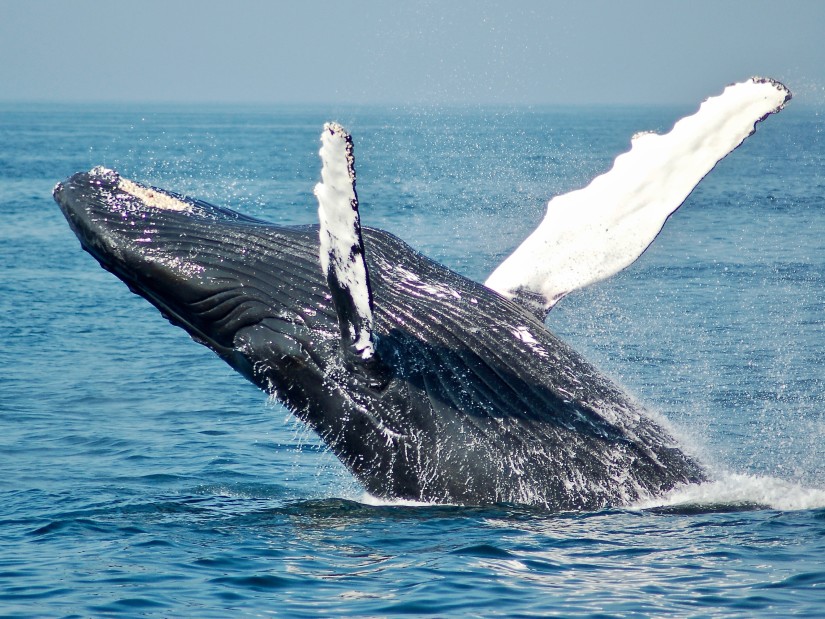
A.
pixel 418 52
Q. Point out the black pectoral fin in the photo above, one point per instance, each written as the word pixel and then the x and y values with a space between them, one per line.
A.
pixel 342 254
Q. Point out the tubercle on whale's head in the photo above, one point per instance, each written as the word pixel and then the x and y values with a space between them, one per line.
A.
pixel 117 220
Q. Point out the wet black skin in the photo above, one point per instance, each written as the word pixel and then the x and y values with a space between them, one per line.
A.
pixel 474 401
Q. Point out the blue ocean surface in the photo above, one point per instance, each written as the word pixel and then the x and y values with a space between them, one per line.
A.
pixel 141 477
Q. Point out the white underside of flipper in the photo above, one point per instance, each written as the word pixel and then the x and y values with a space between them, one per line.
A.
pixel 592 233
pixel 341 246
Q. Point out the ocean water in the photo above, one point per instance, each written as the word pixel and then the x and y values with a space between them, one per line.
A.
pixel 141 477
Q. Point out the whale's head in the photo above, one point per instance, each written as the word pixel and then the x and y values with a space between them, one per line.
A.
pixel 251 291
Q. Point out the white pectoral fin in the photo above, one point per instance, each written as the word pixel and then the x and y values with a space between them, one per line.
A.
pixel 592 233
pixel 341 245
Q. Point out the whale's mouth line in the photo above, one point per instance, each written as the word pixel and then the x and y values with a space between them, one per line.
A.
pixel 234 353
pixel 160 273
pixel 136 286
pixel 103 246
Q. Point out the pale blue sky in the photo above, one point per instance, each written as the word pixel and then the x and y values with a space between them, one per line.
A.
pixel 416 52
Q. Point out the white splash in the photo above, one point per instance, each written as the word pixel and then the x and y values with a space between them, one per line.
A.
pixel 592 233
pixel 740 489
pixel 368 499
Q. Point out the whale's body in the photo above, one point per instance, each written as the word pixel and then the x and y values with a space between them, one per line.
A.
pixel 426 385
pixel 481 403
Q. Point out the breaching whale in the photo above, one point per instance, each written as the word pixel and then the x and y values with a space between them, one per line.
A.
pixel 425 384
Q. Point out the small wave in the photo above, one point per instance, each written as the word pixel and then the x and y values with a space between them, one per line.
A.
pixel 367 499
pixel 370 507
pixel 742 491
pixel 243 490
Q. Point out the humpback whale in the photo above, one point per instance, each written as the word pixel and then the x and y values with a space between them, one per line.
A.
pixel 426 385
